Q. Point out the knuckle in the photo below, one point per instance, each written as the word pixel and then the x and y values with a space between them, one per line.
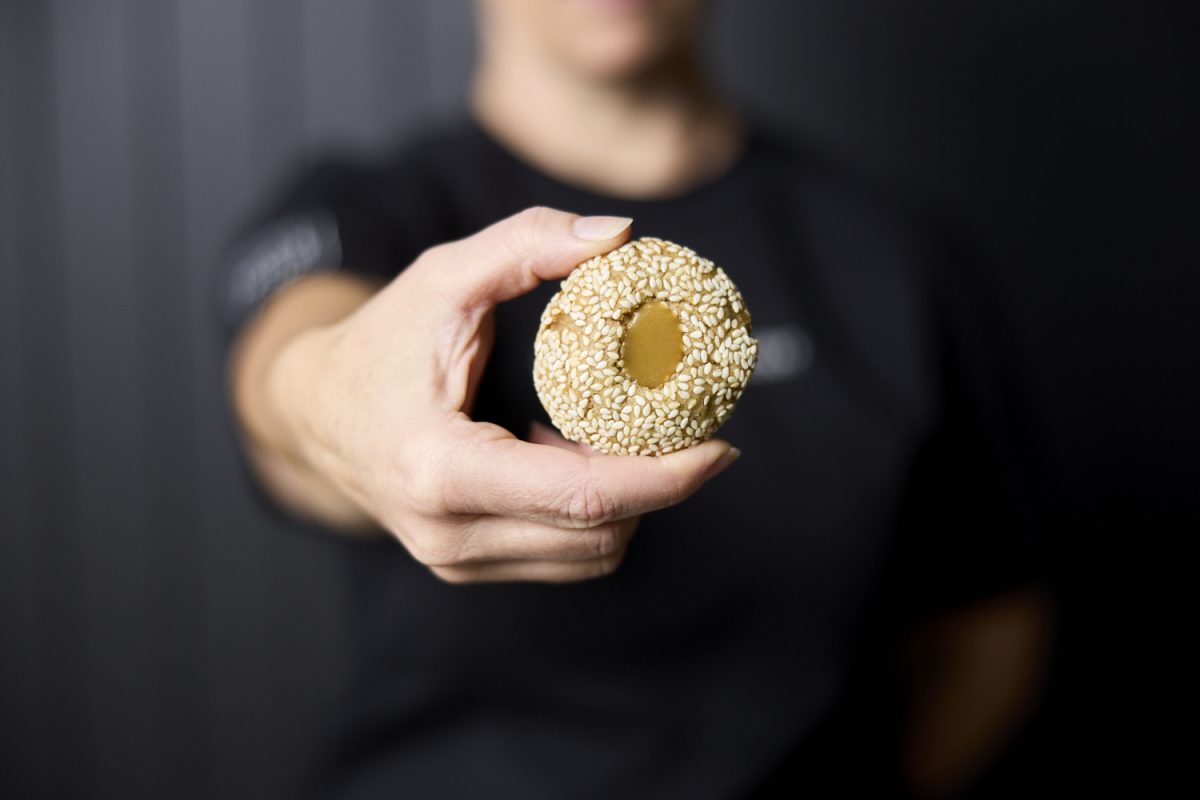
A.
pixel 533 217
pixel 426 496
pixel 586 505
pixel 526 234
pixel 607 541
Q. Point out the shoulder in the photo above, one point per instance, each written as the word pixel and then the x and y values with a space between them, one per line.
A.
pixel 416 163
pixel 839 191
pixel 406 194
pixel 868 228
pixel 372 213
pixel 441 146
pixel 432 156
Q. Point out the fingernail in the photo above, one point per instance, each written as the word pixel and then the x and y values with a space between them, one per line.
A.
pixel 596 229
pixel 731 455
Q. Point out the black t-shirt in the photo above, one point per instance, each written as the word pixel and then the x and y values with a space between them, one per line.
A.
pixel 705 662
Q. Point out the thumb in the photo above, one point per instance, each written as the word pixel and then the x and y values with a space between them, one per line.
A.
pixel 514 255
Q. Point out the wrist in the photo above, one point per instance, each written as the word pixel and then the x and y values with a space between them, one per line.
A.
pixel 293 393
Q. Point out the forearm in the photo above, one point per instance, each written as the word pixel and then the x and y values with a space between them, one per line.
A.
pixel 266 401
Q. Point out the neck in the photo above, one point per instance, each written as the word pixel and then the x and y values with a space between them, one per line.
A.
pixel 654 135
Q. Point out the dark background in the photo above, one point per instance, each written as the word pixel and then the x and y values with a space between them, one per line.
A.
pixel 160 636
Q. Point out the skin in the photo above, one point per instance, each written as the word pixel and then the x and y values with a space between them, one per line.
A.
pixel 356 446
pixel 623 108
pixel 354 398
pixel 974 677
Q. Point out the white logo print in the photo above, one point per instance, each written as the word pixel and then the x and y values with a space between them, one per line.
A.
pixel 278 254
pixel 785 352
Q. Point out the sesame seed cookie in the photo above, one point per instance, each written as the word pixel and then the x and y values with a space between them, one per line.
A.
pixel 643 351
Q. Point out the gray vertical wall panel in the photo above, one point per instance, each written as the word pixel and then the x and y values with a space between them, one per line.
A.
pixel 337 44
pixel 401 74
pixel 61 759
pixel 92 107
pixel 273 599
pixel 19 686
pixel 295 578
pixel 215 101
pixel 181 754
pixel 275 58
pixel 451 48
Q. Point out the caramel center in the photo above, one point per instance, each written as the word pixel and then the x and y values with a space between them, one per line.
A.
pixel 653 345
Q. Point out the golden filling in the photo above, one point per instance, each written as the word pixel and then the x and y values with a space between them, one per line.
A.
pixel 653 345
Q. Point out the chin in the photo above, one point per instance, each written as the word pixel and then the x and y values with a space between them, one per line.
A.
pixel 620 57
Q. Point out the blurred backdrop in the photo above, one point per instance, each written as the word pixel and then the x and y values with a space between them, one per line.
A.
pixel 162 636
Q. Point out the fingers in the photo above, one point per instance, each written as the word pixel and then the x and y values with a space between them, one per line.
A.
pixel 511 257
pixel 535 571
pixel 508 477
pixel 503 539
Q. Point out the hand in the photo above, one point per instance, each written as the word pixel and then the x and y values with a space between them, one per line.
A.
pixel 378 403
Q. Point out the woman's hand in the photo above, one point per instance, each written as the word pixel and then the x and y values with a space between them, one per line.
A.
pixel 377 406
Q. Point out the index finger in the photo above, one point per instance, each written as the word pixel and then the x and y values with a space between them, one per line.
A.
pixel 508 477
pixel 512 256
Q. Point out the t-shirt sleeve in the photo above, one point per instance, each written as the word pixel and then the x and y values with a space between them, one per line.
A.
pixel 968 531
pixel 334 215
